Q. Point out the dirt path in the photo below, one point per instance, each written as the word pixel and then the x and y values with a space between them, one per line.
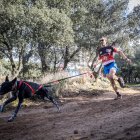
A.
pixel 81 118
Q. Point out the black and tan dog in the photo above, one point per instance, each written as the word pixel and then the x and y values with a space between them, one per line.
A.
pixel 21 90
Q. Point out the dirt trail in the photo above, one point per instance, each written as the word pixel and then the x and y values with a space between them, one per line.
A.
pixel 81 118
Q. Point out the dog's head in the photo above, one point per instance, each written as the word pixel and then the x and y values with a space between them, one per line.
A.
pixel 7 86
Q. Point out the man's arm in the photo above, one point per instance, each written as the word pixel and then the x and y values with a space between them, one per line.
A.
pixel 124 56
pixel 97 62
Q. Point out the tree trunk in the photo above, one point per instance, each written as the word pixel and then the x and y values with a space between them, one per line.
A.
pixel 42 53
pixel 68 57
pixel 25 60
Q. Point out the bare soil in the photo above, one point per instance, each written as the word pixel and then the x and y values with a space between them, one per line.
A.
pixel 86 115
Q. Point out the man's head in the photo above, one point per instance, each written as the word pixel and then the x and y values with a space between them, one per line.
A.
pixel 103 41
pixel 7 86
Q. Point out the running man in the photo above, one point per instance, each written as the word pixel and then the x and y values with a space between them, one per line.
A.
pixel 106 56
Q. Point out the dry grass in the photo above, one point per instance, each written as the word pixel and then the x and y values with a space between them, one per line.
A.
pixel 75 84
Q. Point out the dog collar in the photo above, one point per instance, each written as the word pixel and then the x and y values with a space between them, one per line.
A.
pixel 14 86
pixel 20 83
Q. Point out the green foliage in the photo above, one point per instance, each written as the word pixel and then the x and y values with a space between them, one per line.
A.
pixel 134 23
pixel 51 26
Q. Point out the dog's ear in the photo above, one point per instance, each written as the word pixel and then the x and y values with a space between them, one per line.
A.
pixel 14 80
pixel 6 79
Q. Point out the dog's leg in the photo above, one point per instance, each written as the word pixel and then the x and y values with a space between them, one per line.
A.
pixel 16 111
pixel 13 98
pixel 52 100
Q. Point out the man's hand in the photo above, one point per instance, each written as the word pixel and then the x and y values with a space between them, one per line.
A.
pixel 94 65
pixel 129 61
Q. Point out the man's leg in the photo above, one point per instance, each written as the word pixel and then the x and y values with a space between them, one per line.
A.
pixel 116 78
pixel 112 77
pixel 121 82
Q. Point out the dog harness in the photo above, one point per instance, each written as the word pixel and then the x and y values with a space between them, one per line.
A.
pixel 33 91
